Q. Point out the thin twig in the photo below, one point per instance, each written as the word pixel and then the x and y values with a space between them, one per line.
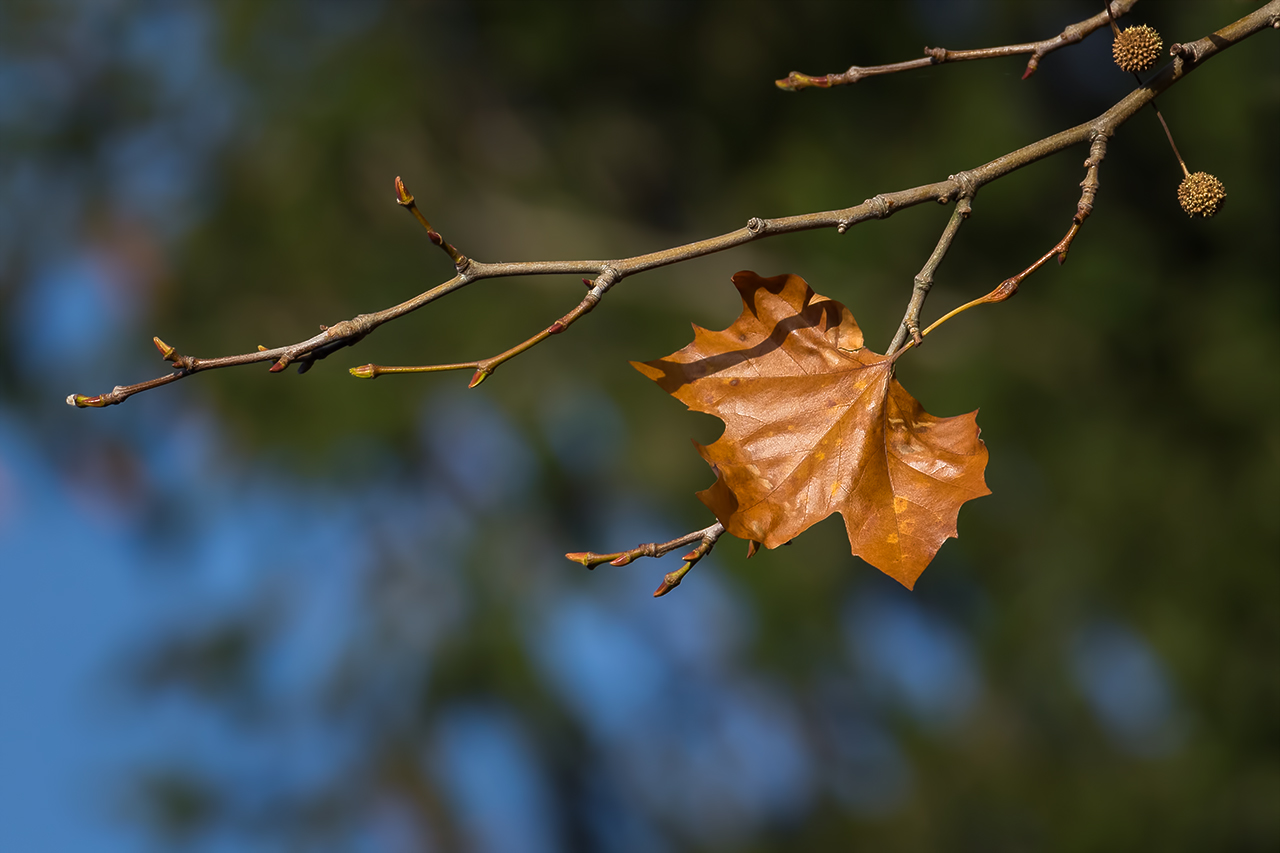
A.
pixel 485 367
pixel 796 81
pixel 961 185
pixel 1007 288
pixel 924 281
pixel 1179 52
pixel 405 199
pixel 706 539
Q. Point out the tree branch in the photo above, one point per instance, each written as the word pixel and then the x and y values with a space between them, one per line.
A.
pixel 706 539
pixel 1008 287
pixel 795 81
pixel 924 280
pixel 962 185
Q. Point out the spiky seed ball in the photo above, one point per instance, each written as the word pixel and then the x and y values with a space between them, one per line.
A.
pixel 1201 194
pixel 1137 48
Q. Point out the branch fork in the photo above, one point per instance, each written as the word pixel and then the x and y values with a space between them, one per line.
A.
pixel 962 187
pixel 706 539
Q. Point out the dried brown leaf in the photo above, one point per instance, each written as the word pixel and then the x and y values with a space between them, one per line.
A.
pixel 815 423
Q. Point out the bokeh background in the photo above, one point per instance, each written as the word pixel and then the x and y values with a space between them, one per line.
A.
pixel 279 612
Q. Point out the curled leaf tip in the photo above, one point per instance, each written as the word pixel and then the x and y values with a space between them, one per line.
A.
pixel 166 351
pixel 82 402
pixel 364 371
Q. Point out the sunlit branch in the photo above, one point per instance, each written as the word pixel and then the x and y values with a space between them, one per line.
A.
pixel 485 367
pixel 937 55
pixel 706 539
pixel 924 280
pixel 960 185
pixel 1008 287
pixel 1177 51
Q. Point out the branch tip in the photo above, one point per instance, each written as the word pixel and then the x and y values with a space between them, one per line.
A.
pixel 705 539
pixel 403 197
pixel 590 559
pixel 166 351
pixel 671 580
pixel 308 351
pixel 365 371
pixel 795 81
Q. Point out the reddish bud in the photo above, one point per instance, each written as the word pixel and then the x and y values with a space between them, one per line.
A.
pixel 402 195
pixel 671 580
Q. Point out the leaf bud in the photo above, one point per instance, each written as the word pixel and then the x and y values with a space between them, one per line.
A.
pixel 403 197
pixel 166 351
pixel 1201 194
pixel 1137 48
